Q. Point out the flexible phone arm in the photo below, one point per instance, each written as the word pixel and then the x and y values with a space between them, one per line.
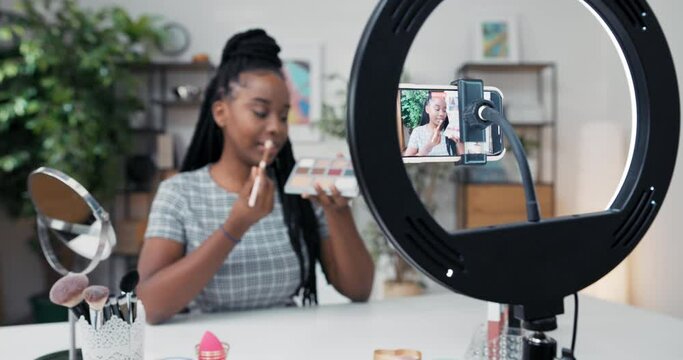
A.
pixel 487 113
pixel 536 345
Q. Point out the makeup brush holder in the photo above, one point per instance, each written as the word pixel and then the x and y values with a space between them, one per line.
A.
pixel 115 339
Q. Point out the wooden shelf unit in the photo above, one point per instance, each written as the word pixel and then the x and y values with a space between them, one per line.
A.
pixel 496 204
pixel 133 204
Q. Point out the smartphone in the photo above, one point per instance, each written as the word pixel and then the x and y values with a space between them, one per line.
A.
pixel 423 108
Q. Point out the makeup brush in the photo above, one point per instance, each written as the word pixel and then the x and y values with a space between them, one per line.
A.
pixel 257 182
pixel 106 311
pixel 124 307
pixel 96 296
pixel 129 281
pixel 68 292
pixel 82 310
pixel 127 285
pixel 113 306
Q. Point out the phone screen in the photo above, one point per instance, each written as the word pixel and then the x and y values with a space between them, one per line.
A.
pixel 428 125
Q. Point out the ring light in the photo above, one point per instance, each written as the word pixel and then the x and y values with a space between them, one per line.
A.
pixel 531 264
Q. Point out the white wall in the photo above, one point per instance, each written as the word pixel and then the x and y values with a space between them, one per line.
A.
pixel 591 83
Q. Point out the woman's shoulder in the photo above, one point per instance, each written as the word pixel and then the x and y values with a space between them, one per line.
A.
pixel 183 181
pixel 420 129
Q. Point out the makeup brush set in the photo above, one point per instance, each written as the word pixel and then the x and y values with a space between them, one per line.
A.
pixel 112 326
pixel 94 302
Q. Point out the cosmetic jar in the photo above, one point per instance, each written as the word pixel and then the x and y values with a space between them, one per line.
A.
pixel 398 354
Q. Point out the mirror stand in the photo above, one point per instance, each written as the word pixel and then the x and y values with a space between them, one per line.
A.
pixel 68 211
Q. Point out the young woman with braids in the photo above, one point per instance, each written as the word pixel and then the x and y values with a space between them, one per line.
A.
pixel 430 137
pixel 205 247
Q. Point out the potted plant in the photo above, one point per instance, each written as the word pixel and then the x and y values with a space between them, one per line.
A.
pixel 66 95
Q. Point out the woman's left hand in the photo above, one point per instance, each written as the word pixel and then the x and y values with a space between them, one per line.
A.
pixel 334 202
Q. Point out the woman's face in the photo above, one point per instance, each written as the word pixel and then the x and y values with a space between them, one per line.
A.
pixel 436 109
pixel 255 111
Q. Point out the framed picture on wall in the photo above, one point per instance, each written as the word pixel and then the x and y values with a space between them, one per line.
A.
pixel 496 40
pixel 302 65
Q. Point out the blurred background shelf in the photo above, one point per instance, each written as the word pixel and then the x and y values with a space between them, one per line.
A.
pixel 178 103
pixel 172 66
pixel 533 67
pixel 154 155
pixel 500 203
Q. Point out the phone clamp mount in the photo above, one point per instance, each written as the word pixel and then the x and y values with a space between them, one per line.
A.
pixel 472 126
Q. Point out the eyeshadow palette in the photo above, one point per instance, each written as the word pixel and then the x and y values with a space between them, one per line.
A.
pixel 326 172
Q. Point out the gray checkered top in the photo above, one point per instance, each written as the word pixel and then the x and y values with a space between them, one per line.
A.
pixel 261 271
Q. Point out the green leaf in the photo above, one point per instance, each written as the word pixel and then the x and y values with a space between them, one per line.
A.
pixel 18 29
pixel 20 105
pixel 4 119
pixel 9 69
pixel 5 33
pixel 10 162
pixel 48 82
pixel 33 107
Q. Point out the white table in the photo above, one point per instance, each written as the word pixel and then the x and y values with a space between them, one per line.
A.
pixel 441 326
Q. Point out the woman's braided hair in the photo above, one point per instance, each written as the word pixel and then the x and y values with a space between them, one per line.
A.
pixel 255 50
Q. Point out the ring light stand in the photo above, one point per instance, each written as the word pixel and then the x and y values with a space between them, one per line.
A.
pixel 584 247
pixel 477 114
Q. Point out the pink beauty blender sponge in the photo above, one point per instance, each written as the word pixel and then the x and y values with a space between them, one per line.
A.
pixel 211 348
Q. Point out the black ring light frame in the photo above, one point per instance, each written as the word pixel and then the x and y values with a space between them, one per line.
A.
pixel 531 264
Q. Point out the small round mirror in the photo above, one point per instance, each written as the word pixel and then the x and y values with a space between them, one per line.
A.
pixel 65 209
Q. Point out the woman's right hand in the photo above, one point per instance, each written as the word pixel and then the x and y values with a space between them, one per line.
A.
pixel 434 140
pixel 242 216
